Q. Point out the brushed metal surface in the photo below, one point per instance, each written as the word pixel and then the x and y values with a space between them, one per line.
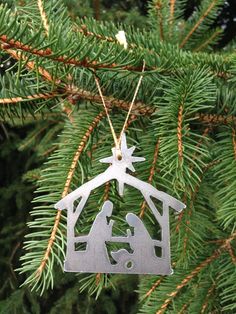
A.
pixel 141 258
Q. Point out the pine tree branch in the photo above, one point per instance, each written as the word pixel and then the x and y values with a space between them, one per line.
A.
pixel 83 29
pixel 79 151
pixel 76 93
pixel 152 172
pixel 14 100
pixel 208 10
pixel 48 54
pixel 195 272
pixel 208 41
pixel 29 64
pixel 43 16
pixel 71 172
pixel 199 143
pixel 10 44
pixel 193 196
pixel 131 45
pixel 185 281
pixel 32 138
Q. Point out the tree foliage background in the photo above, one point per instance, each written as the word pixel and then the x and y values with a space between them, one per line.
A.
pixel 186 106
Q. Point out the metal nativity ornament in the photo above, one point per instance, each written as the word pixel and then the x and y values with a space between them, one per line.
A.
pixel 141 259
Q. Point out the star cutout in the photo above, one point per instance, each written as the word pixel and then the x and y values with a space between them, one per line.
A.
pixel 126 161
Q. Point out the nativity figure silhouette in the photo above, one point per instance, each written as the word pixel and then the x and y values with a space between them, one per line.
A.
pixel 142 246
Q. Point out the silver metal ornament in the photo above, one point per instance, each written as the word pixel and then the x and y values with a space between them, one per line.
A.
pixel 141 258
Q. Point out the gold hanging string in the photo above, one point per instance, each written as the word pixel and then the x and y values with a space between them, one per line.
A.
pixel 107 113
pixel 131 105
pixel 117 141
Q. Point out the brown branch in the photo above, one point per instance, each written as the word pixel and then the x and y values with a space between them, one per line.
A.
pixel 234 141
pixel 156 284
pixel 80 150
pixel 138 107
pixel 10 44
pixel 32 138
pixel 132 46
pixel 172 10
pixel 7 44
pixel 48 53
pixel 185 281
pixel 152 172
pixel 158 6
pixel 209 293
pixel 49 151
pixel 43 16
pixel 75 93
pixel 30 97
pixel 195 272
pixel 215 119
pixel 29 64
pixel 98 278
pixel 184 307
pixel 231 253
pixel 106 192
pixel 86 32
pixel 211 6
pixel 132 118
pixel 96 9
pixel 141 108
pixel 208 41
pixel 179 133
pixel 71 172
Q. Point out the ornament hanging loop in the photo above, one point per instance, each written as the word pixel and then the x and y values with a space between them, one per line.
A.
pixel 118 153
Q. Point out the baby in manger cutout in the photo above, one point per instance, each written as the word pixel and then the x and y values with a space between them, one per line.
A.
pixel 101 232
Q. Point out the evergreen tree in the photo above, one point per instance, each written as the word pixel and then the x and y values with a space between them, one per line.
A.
pixel 183 122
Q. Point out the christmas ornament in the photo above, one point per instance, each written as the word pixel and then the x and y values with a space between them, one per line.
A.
pixel 141 259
